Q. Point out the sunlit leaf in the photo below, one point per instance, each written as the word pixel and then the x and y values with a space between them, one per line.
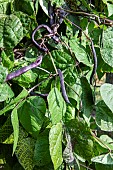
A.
pixel 5 92
pixel 106 91
pixel 15 101
pixel 107 49
pixel 11 31
pixel 104 117
pixel 15 123
pixel 79 52
pixel 32 114
pixel 57 106
pixel 55 141
pixel 24 152
pixel 81 138
pixel 41 152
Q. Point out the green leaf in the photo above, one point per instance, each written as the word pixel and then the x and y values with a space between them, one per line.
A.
pixel 32 114
pixel 62 59
pixel 99 166
pixel 11 31
pixel 24 153
pixel 57 106
pixel 104 1
pixel 110 9
pixel 104 162
pixel 70 75
pixel 87 97
pixel 81 139
pixel 70 113
pixel 55 141
pixel 107 48
pixel 3 73
pixel 104 117
pixel 25 6
pixel 76 92
pixel 107 141
pixel 15 123
pixel 5 92
pixel 4 6
pixel 44 5
pixel 26 21
pixel 106 91
pixel 41 151
pixel 58 2
pixel 15 101
pixel 6 132
pixel 26 79
pixel 79 52
pixel 6 60
pixel 104 159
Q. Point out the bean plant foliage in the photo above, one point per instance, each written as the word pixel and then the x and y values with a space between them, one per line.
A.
pixel 39 128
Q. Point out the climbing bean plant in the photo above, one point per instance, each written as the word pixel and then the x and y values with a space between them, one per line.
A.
pixel 40 129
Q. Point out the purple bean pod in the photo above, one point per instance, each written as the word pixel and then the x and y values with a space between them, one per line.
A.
pixel 51 34
pixel 63 86
pixel 34 32
pixel 24 69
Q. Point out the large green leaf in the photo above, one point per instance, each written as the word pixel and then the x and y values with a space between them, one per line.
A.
pixel 3 73
pixel 15 101
pixel 58 2
pixel 5 92
pixel 104 159
pixel 6 131
pixel 99 166
pixel 4 5
pixel 41 152
pixel 104 117
pixel 27 22
pixel 32 114
pixel 106 91
pixel 110 9
pixel 15 123
pixel 81 138
pixel 62 59
pixel 75 91
pixel 57 106
pixel 87 97
pixel 55 141
pixel 79 52
pixel 11 31
pixel 107 49
pixel 44 5
pixel 24 153
pixel 6 61
pixel 104 162
pixel 26 79
pixel 25 6
pixel 70 75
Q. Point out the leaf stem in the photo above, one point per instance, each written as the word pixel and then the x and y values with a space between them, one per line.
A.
pixel 102 20
pixel 41 83
pixel 53 62
pixel 100 141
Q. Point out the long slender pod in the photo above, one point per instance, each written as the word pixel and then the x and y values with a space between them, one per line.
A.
pixel 63 86
pixel 33 35
pixel 24 69
pixel 95 63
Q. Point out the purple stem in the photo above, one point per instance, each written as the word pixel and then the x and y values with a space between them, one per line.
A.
pixel 51 34
pixel 24 69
